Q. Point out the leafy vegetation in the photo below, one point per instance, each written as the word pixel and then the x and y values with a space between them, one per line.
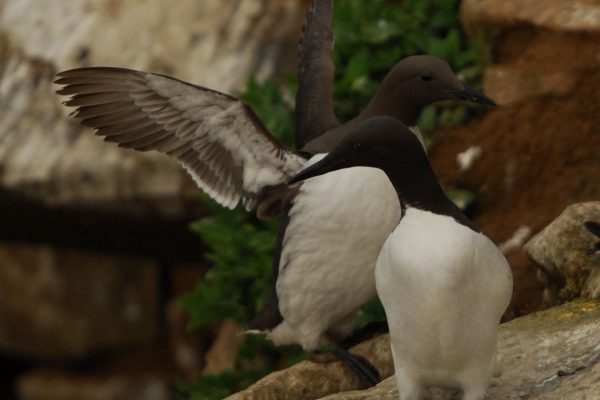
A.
pixel 370 37
pixel 241 245
pixel 241 250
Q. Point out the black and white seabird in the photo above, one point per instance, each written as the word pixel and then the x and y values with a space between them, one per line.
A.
pixel 443 284
pixel 231 156
pixel 333 230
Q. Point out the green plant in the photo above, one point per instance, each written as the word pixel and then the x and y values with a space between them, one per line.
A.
pixel 241 245
pixel 241 251
pixel 370 36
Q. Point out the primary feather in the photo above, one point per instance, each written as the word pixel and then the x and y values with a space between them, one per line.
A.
pixel 217 138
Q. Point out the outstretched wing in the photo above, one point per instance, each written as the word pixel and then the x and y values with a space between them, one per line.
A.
pixel 314 99
pixel 217 138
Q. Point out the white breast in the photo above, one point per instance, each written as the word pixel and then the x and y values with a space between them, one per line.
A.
pixel 338 224
pixel 444 288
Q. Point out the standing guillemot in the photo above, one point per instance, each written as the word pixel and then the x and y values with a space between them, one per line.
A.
pixel 232 157
pixel 323 235
pixel 444 285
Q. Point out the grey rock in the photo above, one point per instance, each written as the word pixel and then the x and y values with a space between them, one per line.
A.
pixel 216 43
pixel 553 354
pixel 562 251
pixel 222 355
pixel 592 286
pixel 563 15
pixel 310 380
pixel 186 347
pixel 47 157
pixel 54 385
pixel 526 35
pixel 67 304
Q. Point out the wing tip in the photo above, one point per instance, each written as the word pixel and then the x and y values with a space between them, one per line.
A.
pixel 67 76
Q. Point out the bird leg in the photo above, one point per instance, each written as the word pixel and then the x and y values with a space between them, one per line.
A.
pixel 368 374
pixel 335 350
pixel 360 366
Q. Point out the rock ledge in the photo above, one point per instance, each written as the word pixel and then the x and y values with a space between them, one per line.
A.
pixel 553 354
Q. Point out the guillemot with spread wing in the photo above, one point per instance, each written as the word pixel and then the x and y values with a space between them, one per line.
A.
pixel 231 156
pixel 443 284
pixel 325 234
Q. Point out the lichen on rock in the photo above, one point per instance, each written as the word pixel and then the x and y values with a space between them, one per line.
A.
pixel 553 354
pixel 563 251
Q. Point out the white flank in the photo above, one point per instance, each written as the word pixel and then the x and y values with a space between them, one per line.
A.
pixel 338 224
pixel 444 288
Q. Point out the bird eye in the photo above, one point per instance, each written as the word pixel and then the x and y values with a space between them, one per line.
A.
pixel 426 76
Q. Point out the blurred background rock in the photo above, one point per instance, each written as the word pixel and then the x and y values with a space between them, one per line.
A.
pixel 95 247
pixel 95 244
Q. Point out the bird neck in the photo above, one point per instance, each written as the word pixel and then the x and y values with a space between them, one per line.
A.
pixel 419 188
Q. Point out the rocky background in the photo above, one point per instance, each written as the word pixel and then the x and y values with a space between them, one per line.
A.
pixel 539 151
pixel 94 240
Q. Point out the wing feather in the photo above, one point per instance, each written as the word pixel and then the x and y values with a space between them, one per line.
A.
pixel 217 138
pixel 314 98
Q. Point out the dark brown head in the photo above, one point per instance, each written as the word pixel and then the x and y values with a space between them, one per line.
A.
pixel 416 82
pixel 385 143
pixel 379 142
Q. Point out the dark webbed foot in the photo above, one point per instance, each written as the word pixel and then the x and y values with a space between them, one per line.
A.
pixel 368 374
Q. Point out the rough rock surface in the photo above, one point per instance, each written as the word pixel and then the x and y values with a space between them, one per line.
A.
pixel 553 354
pixel 495 15
pixel 59 303
pixel 310 380
pixel 187 348
pixel 562 250
pixel 224 350
pixel 539 149
pixel 527 34
pixel 49 158
pixel 50 385
pixel 62 186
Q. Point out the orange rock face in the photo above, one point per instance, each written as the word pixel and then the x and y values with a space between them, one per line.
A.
pixel 540 147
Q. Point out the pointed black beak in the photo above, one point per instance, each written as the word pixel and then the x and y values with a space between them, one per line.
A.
pixel 472 95
pixel 327 164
